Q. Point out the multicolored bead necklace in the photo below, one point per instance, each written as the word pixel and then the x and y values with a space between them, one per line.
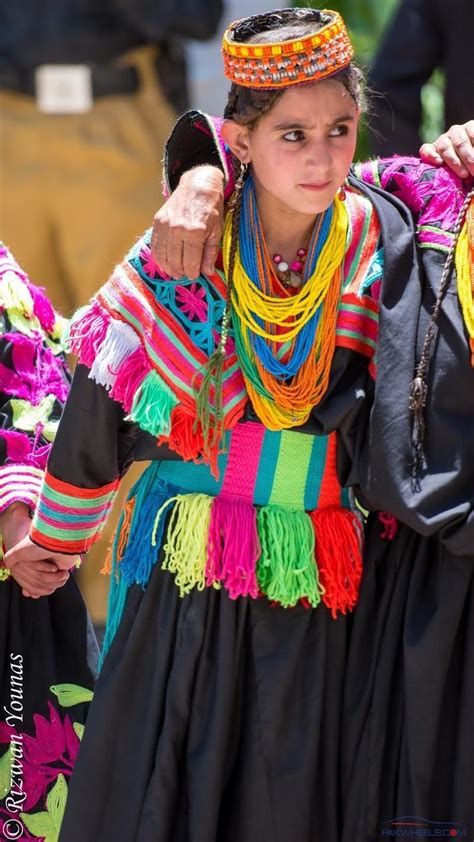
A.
pixel 292 275
pixel 285 345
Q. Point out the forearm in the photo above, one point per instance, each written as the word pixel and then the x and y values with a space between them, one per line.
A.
pixel 84 470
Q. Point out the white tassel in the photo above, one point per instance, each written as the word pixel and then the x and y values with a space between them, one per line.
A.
pixel 14 294
pixel 120 341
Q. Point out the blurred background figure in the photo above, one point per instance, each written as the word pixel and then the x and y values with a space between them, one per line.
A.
pixel 424 36
pixel 89 90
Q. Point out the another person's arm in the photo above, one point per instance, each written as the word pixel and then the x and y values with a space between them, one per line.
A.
pixel 198 176
pixel 92 451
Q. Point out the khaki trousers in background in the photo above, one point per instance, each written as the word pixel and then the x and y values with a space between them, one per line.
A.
pixel 76 191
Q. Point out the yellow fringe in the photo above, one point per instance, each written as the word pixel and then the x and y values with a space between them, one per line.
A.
pixel 464 258
pixel 185 549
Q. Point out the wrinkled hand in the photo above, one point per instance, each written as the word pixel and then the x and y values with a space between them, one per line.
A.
pixel 455 148
pixel 38 571
pixel 187 230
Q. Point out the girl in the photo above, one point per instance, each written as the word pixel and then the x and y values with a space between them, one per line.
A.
pixel 48 652
pixel 232 577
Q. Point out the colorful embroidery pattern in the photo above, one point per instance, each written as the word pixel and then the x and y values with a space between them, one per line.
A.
pixel 43 763
pixel 69 519
pixel 148 339
pixel 19 483
pixel 357 324
pixel 137 345
pixel 433 194
pixel 34 383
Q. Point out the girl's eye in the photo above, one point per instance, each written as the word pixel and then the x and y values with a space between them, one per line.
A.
pixel 339 131
pixel 294 136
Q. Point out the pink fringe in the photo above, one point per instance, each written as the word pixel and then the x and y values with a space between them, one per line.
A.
pixel 130 375
pixel 233 548
pixel 88 333
pixel 390 524
pixel 42 308
pixel 21 450
pixel 18 445
pixel 36 371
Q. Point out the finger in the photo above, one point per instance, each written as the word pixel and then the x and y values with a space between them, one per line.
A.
pixel 175 258
pixel 445 147
pixel 43 567
pixel 462 138
pixel 211 250
pixel 193 251
pixel 27 574
pixel 66 562
pixel 24 551
pixel 37 592
pixel 429 155
pixel 159 242
pixel 50 580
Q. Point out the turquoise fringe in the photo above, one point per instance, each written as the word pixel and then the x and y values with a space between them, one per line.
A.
pixel 140 554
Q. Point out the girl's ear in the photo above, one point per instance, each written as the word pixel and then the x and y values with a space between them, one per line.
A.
pixel 237 139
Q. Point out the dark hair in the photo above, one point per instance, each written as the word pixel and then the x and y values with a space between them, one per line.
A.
pixel 247 105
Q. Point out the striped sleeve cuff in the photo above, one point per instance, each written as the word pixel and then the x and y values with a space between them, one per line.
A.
pixel 19 484
pixel 69 519
pixel 357 324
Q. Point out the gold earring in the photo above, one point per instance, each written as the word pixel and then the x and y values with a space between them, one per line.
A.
pixel 239 184
pixel 243 172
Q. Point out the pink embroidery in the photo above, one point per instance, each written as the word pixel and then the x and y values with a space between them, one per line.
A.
pixel 390 524
pixel 150 267
pixel 192 301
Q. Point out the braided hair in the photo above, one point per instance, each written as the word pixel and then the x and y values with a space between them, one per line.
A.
pixel 246 106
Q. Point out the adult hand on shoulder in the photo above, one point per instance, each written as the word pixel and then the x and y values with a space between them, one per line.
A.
pixel 187 230
pixel 455 148
pixel 38 571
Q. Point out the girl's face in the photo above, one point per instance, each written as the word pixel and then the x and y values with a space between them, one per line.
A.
pixel 301 150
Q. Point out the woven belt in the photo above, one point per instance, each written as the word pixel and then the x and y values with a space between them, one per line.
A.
pixel 289 469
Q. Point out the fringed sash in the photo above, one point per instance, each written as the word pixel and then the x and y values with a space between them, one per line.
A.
pixel 276 524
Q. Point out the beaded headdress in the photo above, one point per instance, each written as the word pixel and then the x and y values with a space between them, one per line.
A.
pixel 277 65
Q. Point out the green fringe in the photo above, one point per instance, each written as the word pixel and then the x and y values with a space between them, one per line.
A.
pixel 286 570
pixel 153 404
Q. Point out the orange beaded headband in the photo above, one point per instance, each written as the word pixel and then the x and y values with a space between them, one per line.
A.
pixel 280 64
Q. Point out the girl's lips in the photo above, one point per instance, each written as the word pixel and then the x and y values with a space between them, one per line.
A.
pixel 323 186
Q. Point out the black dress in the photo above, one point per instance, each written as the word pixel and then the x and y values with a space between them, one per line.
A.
pixel 408 738
pixel 407 749
pixel 214 718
